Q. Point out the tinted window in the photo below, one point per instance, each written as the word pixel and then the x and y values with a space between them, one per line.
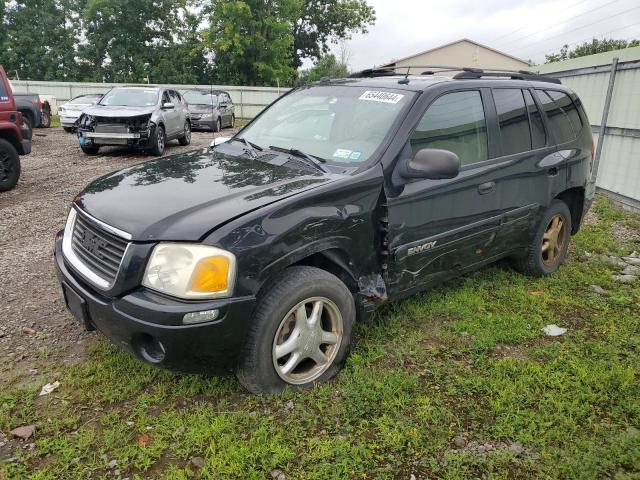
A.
pixel 566 104
pixel 513 119
pixel 3 92
pixel 559 122
pixel 538 135
pixel 454 122
pixel 175 96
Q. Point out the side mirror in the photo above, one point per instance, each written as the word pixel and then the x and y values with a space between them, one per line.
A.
pixel 433 164
pixel 168 106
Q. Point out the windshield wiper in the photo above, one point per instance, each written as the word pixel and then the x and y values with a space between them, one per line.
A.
pixel 312 159
pixel 251 147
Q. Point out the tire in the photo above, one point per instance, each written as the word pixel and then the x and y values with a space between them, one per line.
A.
pixel 538 262
pixel 185 139
pixel 159 141
pixel 9 166
pixel 28 121
pixel 45 119
pixel 90 149
pixel 276 320
pixel 68 129
pixel 218 126
pixel 233 121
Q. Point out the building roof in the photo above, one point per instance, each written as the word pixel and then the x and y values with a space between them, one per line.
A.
pixel 453 43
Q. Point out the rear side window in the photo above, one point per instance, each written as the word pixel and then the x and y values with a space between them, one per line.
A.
pixel 4 97
pixel 454 122
pixel 513 119
pixel 538 135
pixel 560 120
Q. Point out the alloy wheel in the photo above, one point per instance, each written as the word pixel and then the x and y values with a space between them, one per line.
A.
pixel 187 132
pixel 553 240
pixel 307 340
pixel 161 140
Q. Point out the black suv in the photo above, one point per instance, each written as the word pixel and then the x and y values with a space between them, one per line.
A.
pixel 260 254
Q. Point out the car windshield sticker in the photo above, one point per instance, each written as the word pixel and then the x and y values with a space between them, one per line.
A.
pixel 384 97
pixel 342 153
pixel 355 156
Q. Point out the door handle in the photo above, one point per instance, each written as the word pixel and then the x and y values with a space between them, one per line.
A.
pixel 552 172
pixel 485 188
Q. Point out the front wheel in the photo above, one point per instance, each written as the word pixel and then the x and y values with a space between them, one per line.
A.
pixel 549 245
pixel 301 332
pixel 45 119
pixel 158 141
pixel 218 125
pixel 9 166
pixel 185 139
pixel 233 121
pixel 89 149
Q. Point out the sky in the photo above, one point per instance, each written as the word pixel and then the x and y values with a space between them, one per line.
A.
pixel 526 29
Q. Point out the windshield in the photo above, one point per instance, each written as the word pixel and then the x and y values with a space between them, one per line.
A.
pixel 200 98
pixel 340 124
pixel 131 97
pixel 85 100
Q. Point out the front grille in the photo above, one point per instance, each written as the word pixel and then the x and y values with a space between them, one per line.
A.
pixel 100 251
pixel 111 128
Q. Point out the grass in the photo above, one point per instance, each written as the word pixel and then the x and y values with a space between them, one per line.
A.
pixel 467 358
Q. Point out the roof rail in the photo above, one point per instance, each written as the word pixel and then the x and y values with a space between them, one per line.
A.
pixel 477 73
pixel 465 73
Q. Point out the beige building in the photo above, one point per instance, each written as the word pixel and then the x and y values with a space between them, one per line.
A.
pixel 464 53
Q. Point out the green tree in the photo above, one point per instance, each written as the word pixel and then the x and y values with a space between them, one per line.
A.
pixel 123 36
pixel 252 41
pixel 327 66
pixel 590 48
pixel 38 39
pixel 321 22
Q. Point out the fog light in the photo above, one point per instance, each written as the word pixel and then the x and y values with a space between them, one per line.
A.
pixel 200 317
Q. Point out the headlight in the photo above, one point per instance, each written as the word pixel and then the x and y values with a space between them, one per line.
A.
pixel 191 271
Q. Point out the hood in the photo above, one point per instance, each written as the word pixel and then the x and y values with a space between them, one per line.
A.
pixel 118 112
pixel 184 197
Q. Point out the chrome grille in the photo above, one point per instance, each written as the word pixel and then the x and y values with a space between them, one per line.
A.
pixel 100 251
pixel 111 128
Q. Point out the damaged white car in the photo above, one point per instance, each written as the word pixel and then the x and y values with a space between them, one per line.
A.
pixel 143 118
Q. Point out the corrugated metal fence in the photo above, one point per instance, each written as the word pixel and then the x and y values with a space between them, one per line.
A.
pixel 249 101
pixel 618 129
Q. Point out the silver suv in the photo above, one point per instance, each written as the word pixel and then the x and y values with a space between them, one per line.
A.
pixel 145 118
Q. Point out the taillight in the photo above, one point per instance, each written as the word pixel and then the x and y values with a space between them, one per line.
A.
pixel 39 104
pixel 593 148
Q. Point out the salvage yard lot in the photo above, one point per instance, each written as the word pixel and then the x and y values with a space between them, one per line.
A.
pixel 455 383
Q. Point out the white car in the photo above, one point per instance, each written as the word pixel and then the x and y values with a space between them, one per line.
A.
pixel 71 111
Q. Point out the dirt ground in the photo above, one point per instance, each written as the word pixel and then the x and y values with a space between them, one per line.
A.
pixel 34 323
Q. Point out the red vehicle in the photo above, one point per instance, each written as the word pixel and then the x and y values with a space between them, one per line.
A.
pixel 15 136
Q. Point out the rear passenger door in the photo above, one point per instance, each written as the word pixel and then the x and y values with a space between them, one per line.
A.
pixel 533 171
pixel 440 228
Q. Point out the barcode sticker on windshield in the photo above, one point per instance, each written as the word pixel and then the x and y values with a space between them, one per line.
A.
pixel 384 97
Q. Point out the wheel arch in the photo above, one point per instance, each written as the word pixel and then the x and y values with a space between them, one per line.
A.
pixel 574 199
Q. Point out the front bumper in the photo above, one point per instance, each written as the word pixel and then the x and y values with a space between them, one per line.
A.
pixel 149 325
pixel 203 123
pixel 69 121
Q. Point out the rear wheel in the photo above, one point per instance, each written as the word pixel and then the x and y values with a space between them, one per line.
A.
pixel 185 139
pixel 9 166
pixel 158 141
pixel 45 119
pixel 301 332
pixel 550 243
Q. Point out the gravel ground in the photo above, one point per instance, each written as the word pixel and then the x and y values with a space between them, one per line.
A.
pixel 34 323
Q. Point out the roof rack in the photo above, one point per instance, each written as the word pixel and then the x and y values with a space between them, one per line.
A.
pixel 465 73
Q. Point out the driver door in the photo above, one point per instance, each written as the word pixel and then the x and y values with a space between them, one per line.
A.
pixel 440 228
